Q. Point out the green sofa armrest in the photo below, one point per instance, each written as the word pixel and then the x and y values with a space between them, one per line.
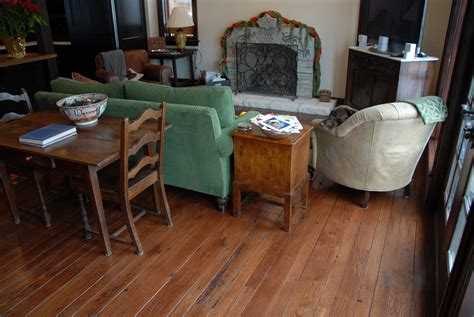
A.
pixel 225 144
pixel 46 99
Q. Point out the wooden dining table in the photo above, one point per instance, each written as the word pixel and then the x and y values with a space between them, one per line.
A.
pixel 81 156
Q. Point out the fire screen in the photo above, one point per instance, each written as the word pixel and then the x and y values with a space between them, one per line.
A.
pixel 269 69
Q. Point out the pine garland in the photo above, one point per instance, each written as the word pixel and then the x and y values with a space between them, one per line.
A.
pixel 281 22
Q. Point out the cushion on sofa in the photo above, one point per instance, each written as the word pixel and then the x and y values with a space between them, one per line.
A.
pixel 69 86
pixel 219 98
pixel 84 79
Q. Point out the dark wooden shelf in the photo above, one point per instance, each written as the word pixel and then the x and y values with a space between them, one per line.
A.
pixel 6 61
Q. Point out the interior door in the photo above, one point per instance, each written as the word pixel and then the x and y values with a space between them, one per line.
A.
pixel 458 192
pixel 131 24
pixel 450 196
pixel 454 225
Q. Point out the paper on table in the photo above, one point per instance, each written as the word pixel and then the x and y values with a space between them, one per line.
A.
pixel 278 123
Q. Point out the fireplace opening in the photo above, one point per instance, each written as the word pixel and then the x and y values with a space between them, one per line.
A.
pixel 269 69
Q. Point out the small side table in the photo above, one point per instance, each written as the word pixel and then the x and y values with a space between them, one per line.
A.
pixel 173 56
pixel 273 167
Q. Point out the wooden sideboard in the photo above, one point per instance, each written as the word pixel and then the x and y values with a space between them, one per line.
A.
pixel 374 78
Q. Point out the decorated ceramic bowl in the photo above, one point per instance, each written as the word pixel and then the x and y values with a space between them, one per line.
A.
pixel 84 109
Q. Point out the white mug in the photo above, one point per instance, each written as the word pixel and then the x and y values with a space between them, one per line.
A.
pixel 410 50
pixel 362 40
pixel 383 44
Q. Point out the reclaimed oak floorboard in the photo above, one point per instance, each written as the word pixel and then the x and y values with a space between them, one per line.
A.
pixel 369 280
pixel 340 259
pixel 354 269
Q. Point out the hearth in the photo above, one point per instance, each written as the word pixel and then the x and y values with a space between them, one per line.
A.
pixel 268 69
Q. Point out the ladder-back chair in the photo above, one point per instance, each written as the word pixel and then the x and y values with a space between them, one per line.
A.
pixel 134 179
pixel 10 113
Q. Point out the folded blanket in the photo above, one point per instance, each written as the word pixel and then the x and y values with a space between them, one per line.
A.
pixel 114 62
pixel 431 108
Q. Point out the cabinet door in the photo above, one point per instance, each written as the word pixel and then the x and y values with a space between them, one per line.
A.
pixel 384 87
pixel 359 84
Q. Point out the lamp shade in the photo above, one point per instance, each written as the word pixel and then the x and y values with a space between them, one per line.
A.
pixel 180 18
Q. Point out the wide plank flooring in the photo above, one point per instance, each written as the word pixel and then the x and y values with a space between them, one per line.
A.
pixel 339 260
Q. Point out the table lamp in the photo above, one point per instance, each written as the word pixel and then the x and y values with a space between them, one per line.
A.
pixel 180 19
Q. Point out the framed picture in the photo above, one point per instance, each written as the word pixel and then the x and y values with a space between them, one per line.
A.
pixel 156 44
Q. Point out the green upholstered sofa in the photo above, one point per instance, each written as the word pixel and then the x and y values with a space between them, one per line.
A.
pixel 198 146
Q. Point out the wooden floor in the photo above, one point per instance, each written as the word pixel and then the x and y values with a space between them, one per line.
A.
pixel 339 260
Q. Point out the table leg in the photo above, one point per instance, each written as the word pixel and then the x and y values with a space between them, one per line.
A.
pixel 96 200
pixel 39 188
pixel 287 212
pixel 9 192
pixel 191 67
pixel 304 193
pixel 175 72
pixel 85 219
pixel 236 203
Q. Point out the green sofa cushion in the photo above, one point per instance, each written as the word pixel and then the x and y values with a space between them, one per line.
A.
pixel 219 98
pixel 69 86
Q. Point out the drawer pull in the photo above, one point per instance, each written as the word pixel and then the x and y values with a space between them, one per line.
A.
pixel 28 158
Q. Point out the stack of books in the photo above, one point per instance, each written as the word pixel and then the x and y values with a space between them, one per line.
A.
pixel 48 135
pixel 278 123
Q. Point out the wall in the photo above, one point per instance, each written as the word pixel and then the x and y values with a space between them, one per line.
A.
pixel 336 21
pixel 152 18
pixel 436 25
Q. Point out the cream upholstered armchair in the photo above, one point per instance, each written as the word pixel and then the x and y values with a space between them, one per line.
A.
pixel 376 149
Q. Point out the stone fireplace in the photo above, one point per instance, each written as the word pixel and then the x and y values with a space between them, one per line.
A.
pixel 268 32
pixel 273 63
pixel 269 69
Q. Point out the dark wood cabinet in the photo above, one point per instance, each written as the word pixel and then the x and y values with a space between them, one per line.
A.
pixel 91 31
pixel 374 78
pixel 95 26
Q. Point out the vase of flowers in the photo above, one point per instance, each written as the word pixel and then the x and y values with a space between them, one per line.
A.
pixel 18 18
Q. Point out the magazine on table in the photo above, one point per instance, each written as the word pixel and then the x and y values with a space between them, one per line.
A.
pixel 278 123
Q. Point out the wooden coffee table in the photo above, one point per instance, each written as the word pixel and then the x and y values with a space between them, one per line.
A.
pixel 273 167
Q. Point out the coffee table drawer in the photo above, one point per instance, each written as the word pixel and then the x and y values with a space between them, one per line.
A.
pixel 25 158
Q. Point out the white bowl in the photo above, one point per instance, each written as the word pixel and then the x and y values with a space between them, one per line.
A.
pixel 83 114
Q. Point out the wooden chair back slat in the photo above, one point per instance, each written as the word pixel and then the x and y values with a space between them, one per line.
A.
pixel 145 116
pixel 146 161
pixel 5 96
pixel 149 141
pixel 147 138
pixel 27 100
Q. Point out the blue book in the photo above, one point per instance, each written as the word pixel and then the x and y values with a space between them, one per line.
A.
pixel 47 135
